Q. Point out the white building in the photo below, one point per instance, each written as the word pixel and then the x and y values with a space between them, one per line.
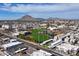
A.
pixel 51 28
pixel 66 39
pixel 5 26
pixel 73 27
pixel 61 26
pixel 68 48
pixel 13 40
pixel 15 34
pixel 41 53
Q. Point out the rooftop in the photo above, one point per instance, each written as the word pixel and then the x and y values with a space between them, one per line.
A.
pixel 41 53
pixel 67 46
pixel 10 44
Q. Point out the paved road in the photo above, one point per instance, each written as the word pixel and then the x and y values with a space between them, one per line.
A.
pixel 37 46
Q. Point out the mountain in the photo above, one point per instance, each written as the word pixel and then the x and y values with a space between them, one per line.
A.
pixel 30 18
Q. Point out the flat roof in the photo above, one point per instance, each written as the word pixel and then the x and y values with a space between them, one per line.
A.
pixel 41 53
pixel 67 46
pixel 11 44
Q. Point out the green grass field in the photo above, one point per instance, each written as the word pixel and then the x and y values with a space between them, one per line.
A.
pixel 39 37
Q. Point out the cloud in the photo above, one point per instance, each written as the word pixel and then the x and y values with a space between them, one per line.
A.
pixel 39 10
pixel 23 8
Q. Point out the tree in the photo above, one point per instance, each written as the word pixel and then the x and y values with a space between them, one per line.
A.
pixel 21 36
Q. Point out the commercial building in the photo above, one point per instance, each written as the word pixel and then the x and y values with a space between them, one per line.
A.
pixel 40 53
pixel 68 48
pixel 13 48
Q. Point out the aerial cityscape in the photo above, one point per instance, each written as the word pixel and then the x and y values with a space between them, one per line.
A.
pixel 39 29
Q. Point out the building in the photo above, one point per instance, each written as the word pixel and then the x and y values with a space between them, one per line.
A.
pixel 61 26
pixel 51 28
pixel 4 41
pixel 15 34
pixel 5 26
pixel 13 48
pixel 43 25
pixel 40 53
pixel 68 48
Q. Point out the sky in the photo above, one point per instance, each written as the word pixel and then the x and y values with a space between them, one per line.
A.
pixel 13 11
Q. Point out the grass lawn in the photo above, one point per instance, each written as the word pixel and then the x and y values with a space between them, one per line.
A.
pixel 38 36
